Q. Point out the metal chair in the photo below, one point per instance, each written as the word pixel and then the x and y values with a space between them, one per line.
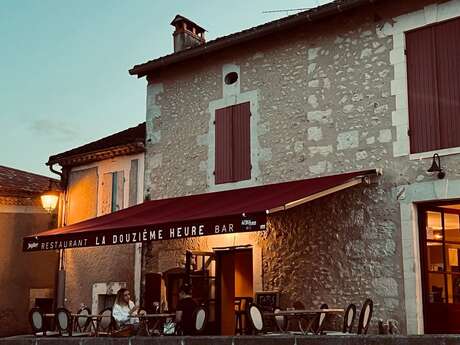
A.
pixel 37 322
pixel 241 307
pixel 365 316
pixel 83 322
pixel 281 320
pixel 200 317
pixel 256 318
pixel 348 321
pixel 64 323
pixel 63 319
pixel 105 323
pixel 318 323
pixel 349 318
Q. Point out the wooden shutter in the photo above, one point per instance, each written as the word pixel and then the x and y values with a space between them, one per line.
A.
pixel 133 182
pixel 106 206
pixel 118 182
pixel 233 144
pixel 448 71
pixel 224 148
pixel 422 90
pixel 241 142
pixel 433 78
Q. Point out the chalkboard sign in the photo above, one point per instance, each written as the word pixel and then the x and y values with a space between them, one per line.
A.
pixel 267 300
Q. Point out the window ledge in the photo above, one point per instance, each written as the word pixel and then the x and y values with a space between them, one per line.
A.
pixel 429 154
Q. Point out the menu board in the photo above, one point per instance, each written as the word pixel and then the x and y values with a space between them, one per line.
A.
pixel 267 300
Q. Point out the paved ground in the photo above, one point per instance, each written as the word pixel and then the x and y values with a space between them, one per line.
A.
pixel 246 340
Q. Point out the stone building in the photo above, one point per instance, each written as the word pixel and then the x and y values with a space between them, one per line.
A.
pixel 21 214
pixel 101 177
pixel 343 87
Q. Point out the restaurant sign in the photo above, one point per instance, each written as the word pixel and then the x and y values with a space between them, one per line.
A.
pixel 104 237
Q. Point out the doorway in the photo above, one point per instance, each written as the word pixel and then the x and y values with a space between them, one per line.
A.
pixel 234 286
pixel 439 226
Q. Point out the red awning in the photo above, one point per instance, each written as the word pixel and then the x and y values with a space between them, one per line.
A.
pixel 237 210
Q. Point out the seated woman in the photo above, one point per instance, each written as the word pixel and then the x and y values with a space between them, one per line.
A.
pixel 124 310
pixel 185 309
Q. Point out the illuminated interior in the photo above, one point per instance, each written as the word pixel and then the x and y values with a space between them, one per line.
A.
pixel 443 254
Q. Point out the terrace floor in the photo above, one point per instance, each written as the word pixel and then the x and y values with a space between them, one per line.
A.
pixel 243 340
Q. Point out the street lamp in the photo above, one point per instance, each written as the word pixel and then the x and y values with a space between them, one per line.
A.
pixel 50 199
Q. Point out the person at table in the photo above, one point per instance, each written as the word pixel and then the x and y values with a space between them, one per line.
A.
pixel 124 310
pixel 185 309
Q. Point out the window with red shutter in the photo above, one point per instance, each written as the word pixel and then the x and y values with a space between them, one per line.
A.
pixel 233 144
pixel 433 78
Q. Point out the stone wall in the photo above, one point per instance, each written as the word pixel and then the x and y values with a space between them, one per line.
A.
pixel 324 97
pixel 326 252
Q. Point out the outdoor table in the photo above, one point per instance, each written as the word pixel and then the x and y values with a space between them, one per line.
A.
pixel 93 317
pixel 305 314
pixel 158 316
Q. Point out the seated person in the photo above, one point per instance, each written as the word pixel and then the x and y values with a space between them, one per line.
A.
pixel 185 309
pixel 124 310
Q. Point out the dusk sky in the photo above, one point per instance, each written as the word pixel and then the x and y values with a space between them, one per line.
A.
pixel 64 65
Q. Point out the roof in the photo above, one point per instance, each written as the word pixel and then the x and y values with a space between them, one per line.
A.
pixel 19 183
pixel 317 13
pixel 128 141
pixel 236 210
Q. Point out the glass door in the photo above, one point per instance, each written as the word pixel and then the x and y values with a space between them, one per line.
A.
pixel 440 255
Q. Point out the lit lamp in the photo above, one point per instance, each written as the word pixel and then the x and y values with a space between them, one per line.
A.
pixel 50 199
pixel 436 167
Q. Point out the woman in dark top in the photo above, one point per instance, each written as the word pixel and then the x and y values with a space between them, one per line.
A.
pixel 185 309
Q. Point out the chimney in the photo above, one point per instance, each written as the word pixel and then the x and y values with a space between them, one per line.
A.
pixel 187 33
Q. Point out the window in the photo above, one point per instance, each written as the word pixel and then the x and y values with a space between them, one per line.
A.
pixel 233 144
pixel 112 192
pixel 433 78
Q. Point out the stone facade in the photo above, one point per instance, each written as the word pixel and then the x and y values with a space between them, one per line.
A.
pixel 323 97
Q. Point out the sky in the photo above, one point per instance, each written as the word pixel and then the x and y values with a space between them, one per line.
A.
pixel 64 65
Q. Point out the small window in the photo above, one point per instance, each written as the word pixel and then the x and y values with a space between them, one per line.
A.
pixel 231 78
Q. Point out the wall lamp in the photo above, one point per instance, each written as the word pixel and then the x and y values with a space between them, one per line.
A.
pixel 436 167
pixel 50 198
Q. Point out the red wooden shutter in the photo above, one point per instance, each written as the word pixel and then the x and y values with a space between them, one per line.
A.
pixel 224 148
pixel 448 67
pixel 422 90
pixel 241 142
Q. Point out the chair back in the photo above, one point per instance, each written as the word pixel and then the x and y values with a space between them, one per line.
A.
pixel 63 320
pixel 82 320
pixel 281 320
pixel 365 316
pixel 105 320
pixel 256 317
pixel 200 317
pixel 349 318
pixel 36 319
pixel 297 305
pixel 320 319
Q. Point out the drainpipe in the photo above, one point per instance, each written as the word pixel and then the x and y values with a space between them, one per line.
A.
pixel 61 274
